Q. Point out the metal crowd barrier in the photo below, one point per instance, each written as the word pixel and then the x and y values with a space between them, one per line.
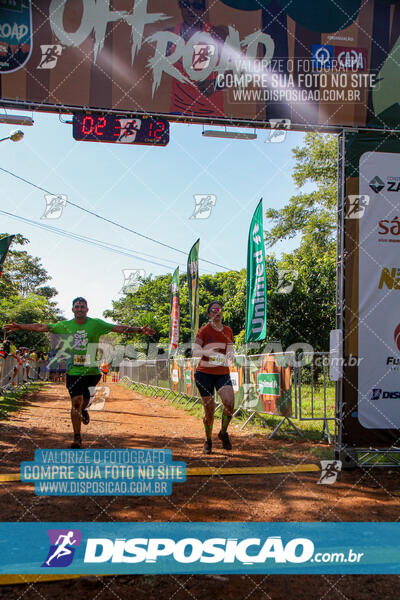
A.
pixel 14 373
pixel 316 392
pixel 280 384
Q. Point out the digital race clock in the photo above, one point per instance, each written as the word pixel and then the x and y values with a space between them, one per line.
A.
pixel 150 131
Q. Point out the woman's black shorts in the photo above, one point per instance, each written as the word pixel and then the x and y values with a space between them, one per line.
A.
pixel 207 382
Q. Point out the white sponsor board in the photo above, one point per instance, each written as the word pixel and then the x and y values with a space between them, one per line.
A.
pixel 175 376
pixel 379 293
pixel 235 380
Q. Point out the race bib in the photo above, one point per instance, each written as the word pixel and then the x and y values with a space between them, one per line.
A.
pixel 81 360
pixel 219 359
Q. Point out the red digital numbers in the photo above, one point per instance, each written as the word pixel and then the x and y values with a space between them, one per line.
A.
pixel 111 128
pixel 156 132
pixel 159 130
pixel 87 125
pixel 100 125
pixel 117 128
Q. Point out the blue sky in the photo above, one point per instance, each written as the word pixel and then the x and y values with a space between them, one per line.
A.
pixel 150 190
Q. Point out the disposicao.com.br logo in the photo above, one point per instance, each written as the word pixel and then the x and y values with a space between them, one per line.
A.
pixel 212 550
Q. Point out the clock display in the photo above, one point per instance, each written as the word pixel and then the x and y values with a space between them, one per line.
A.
pixel 148 131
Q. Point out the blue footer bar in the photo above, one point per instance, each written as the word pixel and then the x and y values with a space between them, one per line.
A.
pixel 225 548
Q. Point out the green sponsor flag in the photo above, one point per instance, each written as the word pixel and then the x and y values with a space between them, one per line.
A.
pixel 174 314
pixel 5 243
pixel 193 286
pixel 256 297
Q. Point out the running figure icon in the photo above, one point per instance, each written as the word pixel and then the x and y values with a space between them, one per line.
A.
pixel 50 55
pixel 62 549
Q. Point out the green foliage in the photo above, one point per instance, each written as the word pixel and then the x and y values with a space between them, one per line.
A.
pixel 305 315
pixel 23 296
pixel 29 309
pixel 311 214
pixel 308 313
pixel 23 274
pixel 150 304
pixel 47 291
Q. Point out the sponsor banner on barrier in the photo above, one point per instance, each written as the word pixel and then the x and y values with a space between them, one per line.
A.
pixel 237 374
pixel 270 384
pixel 379 321
pixel 190 367
pixel 149 548
pixel 175 375
pixel 235 380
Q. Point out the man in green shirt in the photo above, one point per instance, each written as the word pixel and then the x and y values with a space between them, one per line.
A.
pixel 80 338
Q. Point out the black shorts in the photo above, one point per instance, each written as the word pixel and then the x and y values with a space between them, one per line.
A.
pixel 208 382
pixel 78 385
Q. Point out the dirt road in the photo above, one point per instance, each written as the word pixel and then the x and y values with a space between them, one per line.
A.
pixel 133 421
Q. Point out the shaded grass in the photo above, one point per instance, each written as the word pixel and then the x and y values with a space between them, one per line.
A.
pixel 322 453
pixel 314 401
pixel 11 401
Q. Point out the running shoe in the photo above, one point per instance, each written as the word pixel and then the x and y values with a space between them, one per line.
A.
pixel 77 443
pixel 85 417
pixel 207 448
pixel 226 442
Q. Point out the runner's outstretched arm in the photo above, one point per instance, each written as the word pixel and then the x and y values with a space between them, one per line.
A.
pixel 128 329
pixel 40 327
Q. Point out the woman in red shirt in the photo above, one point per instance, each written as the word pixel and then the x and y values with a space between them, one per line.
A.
pixel 214 346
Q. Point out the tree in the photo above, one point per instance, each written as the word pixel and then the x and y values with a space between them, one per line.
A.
pixel 23 297
pixel 307 314
pixel 311 214
pixel 309 311
pixel 151 303
pixel 47 291
pixel 148 305
pixel 23 274
pixel 28 309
